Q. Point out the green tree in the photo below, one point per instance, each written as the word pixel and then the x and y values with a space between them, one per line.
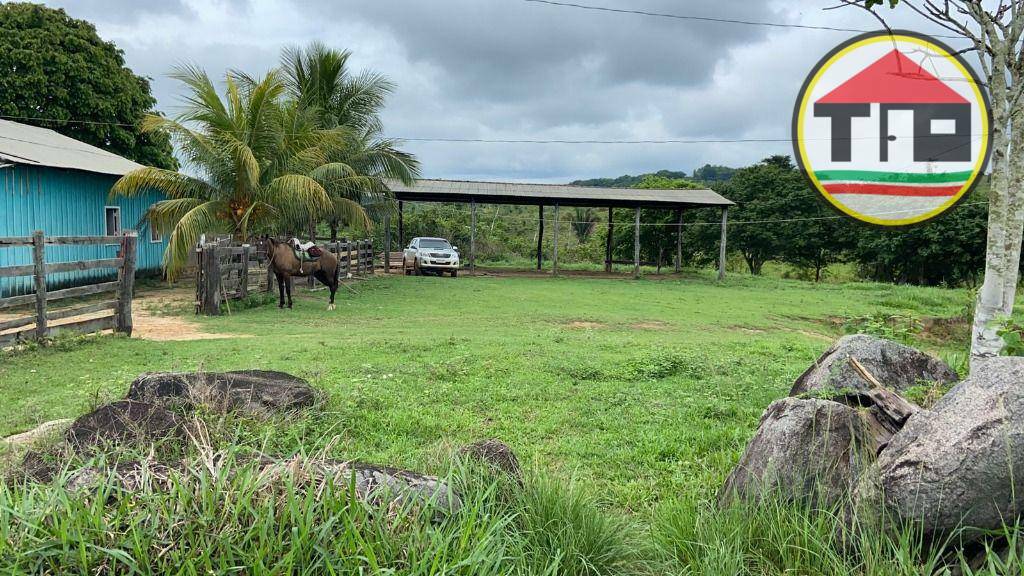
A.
pixel 258 161
pixel 59 74
pixel 320 85
pixel 584 221
pixel 779 218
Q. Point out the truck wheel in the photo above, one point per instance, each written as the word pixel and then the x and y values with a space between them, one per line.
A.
pixel 455 273
pixel 405 267
pixel 416 270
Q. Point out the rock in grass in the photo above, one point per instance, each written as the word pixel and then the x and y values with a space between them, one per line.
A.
pixel 961 462
pixel 391 488
pixel 496 454
pixel 895 366
pixel 804 450
pixel 43 431
pixel 124 422
pixel 256 392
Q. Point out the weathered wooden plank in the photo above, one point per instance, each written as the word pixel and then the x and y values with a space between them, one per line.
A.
pixel 224 268
pixel 17 323
pixel 14 337
pixel 84 265
pixel 229 251
pixel 81 310
pixel 85 326
pixel 86 290
pixel 12 271
pixel 15 240
pixel 83 239
pixel 14 301
pixel 722 243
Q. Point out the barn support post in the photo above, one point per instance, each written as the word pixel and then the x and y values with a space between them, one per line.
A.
pixel 679 240
pixel 540 236
pixel 472 237
pixel 636 244
pixel 608 243
pixel 387 243
pixel 554 245
pixel 401 225
pixel 126 288
pixel 721 243
pixel 39 269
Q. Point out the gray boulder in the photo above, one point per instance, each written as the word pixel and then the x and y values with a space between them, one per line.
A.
pixel 804 449
pixel 384 486
pixel 961 463
pixel 257 392
pixel 895 366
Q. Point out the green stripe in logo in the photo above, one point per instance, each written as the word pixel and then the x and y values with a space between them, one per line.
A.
pixel 892 177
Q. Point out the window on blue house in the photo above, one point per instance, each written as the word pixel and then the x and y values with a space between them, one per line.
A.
pixel 112 216
pixel 154 235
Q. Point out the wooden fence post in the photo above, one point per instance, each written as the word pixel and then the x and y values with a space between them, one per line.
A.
pixel 126 289
pixel 348 258
pixel 721 243
pixel 211 280
pixel 39 269
pixel 636 244
pixel 243 280
pixel 387 244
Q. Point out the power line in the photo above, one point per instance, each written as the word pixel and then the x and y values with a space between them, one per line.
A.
pixel 650 141
pixel 711 18
pixel 454 209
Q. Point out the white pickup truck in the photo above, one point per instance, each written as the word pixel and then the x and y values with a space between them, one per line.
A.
pixel 424 255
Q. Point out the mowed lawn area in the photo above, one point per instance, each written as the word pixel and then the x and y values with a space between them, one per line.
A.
pixel 639 390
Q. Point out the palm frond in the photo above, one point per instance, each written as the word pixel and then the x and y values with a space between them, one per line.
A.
pixel 171 184
pixel 202 219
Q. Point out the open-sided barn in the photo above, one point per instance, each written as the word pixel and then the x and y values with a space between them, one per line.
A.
pixel 56 184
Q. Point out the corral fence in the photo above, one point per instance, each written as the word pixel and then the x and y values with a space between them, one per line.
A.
pixel 47 321
pixel 227 270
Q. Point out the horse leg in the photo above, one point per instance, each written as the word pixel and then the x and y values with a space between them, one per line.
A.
pixel 280 289
pixel 326 281
pixel 288 285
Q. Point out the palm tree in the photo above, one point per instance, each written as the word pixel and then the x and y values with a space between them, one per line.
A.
pixel 253 161
pixel 583 223
pixel 319 83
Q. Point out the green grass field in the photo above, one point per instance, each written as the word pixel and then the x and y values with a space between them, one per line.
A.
pixel 644 389
pixel 643 393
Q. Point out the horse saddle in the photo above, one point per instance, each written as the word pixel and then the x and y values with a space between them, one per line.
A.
pixel 310 255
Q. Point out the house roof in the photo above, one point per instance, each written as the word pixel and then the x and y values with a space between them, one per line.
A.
pixel 893 79
pixel 34 146
pixel 549 194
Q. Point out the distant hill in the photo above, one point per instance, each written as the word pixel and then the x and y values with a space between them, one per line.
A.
pixel 706 173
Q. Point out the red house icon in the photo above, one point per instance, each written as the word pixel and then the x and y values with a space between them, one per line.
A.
pixel 895 82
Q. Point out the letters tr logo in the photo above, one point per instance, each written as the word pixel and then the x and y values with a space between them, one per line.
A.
pixel 892 128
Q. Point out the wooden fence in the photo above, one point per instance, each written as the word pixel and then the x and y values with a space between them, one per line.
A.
pixel 227 271
pixel 109 314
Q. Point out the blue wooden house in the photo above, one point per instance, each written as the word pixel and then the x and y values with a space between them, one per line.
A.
pixel 56 184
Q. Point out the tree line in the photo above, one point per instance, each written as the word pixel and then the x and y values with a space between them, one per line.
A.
pixel 779 218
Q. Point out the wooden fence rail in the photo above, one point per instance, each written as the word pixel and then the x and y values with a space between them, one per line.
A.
pixel 115 313
pixel 227 271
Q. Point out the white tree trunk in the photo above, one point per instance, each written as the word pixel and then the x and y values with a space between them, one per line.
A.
pixel 1002 256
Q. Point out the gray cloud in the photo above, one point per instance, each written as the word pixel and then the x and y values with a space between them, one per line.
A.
pixel 511 69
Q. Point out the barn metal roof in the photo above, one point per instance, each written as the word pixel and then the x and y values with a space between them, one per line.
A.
pixel 34 146
pixel 548 194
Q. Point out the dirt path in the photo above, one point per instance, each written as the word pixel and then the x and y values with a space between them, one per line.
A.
pixel 157 316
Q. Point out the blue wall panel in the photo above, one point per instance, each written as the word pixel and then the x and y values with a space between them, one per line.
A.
pixel 66 203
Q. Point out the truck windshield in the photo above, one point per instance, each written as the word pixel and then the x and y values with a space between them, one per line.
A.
pixel 435 244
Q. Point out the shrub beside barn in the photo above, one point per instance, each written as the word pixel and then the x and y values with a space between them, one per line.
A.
pixel 56 184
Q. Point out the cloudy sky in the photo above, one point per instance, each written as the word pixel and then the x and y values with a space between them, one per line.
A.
pixel 513 69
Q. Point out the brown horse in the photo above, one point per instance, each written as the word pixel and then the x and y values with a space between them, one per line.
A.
pixel 285 265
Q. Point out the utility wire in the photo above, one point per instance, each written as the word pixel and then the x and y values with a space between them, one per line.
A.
pixel 511 140
pixel 455 210
pixel 712 18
